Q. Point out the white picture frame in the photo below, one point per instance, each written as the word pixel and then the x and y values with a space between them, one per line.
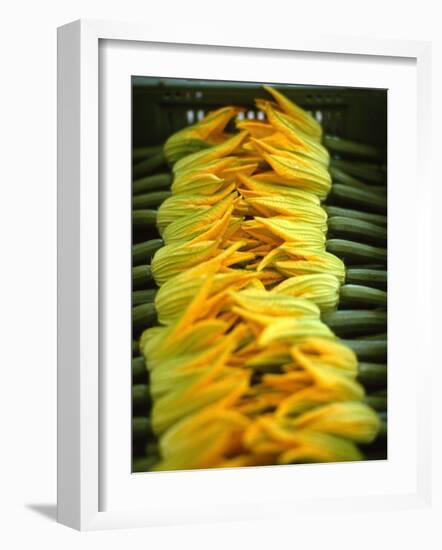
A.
pixel 80 268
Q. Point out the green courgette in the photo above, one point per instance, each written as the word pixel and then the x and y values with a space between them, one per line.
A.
pixel 158 182
pixel 149 200
pixel 351 148
pixel 353 253
pixel 141 397
pixel 364 170
pixel 372 374
pixel 149 166
pixel 383 430
pixel 143 252
pixel 141 153
pixel 141 276
pixel 344 195
pixel 377 219
pixel 358 296
pixel 376 402
pixel 339 176
pixel 141 427
pixel 139 371
pixel 354 322
pixel 144 464
pixel 368 350
pixel 144 218
pixel 143 296
pixel 135 348
pixel 143 316
pixel 376 336
pixel 376 278
pixel 358 230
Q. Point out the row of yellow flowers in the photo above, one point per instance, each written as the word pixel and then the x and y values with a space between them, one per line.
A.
pixel 243 371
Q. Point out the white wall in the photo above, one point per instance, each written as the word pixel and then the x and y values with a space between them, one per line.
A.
pixel 28 264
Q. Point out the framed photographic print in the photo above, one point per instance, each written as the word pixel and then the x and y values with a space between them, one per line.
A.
pixel 234 292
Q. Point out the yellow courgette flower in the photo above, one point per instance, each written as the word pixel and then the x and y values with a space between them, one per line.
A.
pixel 196 160
pixel 247 161
pixel 203 440
pixel 294 330
pixel 205 133
pixel 180 206
pixel 243 209
pixel 187 377
pixel 187 228
pixel 272 358
pixel 199 183
pixel 260 233
pixel 327 386
pixel 278 143
pixel 350 419
pixel 211 176
pixel 263 104
pixel 175 258
pixel 291 208
pixel 301 118
pixel 176 294
pixel 255 128
pixel 296 233
pixel 321 288
pixel 177 207
pixel 325 353
pixel 260 250
pixel 292 261
pixel 267 435
pixel 259 186
pixel 161 342
pixel 221 387
pixel 161 345
pixel 174 372
pixel 220 229
pixel 254 300
pixel 241 166
pixel 287 382
pixel 242 460
pixel 269 277
pixel 319 447
pixel 297 171
pixel 234 233
pixel 255 403
pixel 295 139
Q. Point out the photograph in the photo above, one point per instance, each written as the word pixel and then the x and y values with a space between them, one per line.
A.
pixel 259 274
pixel 222 270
